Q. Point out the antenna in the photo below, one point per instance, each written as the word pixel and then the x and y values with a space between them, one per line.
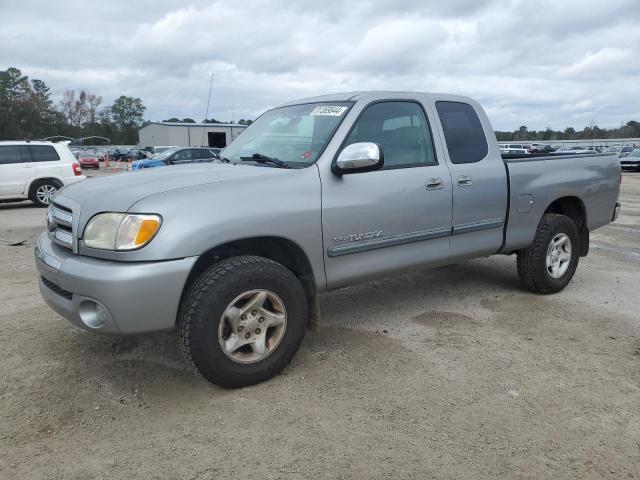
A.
pixel 206 114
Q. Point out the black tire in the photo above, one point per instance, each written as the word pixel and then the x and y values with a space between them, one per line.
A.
pixel 532 267
pixel 47 182
pixel 207 298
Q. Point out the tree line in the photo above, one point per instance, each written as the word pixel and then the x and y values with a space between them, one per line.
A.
pixel 28 112
pixel 629 130
pixel 242 121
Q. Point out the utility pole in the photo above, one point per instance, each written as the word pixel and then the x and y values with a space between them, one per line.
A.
pixel 206 113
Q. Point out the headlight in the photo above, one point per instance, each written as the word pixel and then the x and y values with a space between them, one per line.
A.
pixel 120 231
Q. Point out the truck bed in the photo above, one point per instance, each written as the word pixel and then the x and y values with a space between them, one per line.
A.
pixel 537 180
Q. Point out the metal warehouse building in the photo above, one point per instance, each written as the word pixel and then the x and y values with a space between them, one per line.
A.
pixel 189 134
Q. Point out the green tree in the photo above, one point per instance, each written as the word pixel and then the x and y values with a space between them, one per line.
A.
pixel 188 120
pixel 631 129
pixel 39 113
pixel 173 119
pixel 569 133
pixel 127 115
pixel 521 133
pixel 14 92
pixel 42 95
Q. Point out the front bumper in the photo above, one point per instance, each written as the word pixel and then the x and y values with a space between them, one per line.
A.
pixel 111 297
pixel 631 164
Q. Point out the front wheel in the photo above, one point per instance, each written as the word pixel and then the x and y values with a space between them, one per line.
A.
pixel 242 321
pixel 549 263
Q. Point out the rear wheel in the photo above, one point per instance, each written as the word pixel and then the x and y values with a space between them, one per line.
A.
pixel 242 321
pixel 43 191
pixel 549 263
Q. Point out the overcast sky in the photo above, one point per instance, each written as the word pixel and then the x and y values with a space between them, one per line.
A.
pixel 540 63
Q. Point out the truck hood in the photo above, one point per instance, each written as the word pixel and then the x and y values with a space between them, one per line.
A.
pixel 118 192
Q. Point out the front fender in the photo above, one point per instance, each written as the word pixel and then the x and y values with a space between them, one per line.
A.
pixel 196 219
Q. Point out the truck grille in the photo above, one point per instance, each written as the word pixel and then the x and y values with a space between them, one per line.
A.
pixel 56 289
pixel 60 225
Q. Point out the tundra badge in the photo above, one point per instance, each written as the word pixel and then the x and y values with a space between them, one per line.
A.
pixel 354 237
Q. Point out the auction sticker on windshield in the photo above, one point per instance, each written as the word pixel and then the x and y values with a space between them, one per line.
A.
pixel 331 110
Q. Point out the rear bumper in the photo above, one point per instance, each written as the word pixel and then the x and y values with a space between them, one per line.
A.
pixel 70 180
pixel 616 212
pixel 630 164
pixel 111 297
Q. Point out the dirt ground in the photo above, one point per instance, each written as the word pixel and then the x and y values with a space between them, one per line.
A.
pixel 454 373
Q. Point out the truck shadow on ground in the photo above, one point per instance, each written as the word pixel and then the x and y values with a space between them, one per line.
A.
pixel 454 285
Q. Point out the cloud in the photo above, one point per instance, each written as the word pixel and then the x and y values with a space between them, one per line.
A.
pixel 539 63
pixel 608 59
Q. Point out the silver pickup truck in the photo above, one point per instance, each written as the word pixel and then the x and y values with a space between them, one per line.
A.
pixel 315 195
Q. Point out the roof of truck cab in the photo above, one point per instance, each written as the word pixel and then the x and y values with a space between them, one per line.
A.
pixel 373 95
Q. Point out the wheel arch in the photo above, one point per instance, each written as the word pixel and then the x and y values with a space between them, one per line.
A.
pixel 574 208
pixel 279 249
pixel 37 180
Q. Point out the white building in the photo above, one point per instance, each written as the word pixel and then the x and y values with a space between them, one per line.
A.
pixel 189 134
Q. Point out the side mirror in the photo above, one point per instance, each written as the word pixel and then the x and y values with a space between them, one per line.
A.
pixel 359 157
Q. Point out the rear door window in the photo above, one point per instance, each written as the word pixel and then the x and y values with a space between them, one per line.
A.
pixel 201 154
pixel 10 154
pixel 182 156
pixel 43 153
pixel 198 154
pixel 463 132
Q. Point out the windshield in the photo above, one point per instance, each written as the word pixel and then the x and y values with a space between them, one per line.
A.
pixel 166 154
pixel 295 135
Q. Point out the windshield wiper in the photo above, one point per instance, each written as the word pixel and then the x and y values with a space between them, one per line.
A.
pixel 223 159
pixel 260 158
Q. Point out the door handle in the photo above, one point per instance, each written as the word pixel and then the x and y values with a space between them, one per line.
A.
pixel 464 181
pixel 434 184
pixel 27 165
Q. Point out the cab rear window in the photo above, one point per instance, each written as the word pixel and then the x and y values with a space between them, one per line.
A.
pixel 463 132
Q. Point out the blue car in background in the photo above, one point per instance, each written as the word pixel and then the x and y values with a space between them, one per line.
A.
pixel 175 156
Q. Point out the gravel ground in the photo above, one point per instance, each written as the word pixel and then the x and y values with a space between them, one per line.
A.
pixel 451 373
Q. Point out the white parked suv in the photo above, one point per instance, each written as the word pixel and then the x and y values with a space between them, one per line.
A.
pixel 36 170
